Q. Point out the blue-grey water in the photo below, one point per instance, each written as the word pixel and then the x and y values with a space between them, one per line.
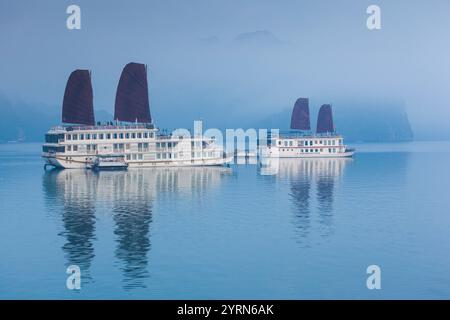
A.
pixel 308 231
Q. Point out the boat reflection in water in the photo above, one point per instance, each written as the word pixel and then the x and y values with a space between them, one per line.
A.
pixel 82 197
pixel 312 184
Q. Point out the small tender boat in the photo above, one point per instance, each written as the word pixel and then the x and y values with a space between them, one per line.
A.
pixel 109 162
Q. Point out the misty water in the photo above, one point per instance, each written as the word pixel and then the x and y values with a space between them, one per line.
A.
pixel 308 231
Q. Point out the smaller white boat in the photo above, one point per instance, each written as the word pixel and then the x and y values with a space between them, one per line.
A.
pixel 301 143
pixel 109 162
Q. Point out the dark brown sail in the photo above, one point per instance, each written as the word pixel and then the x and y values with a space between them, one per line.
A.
pixel 78 105
pixel 325 120
pixel 300 115
pixel 132 103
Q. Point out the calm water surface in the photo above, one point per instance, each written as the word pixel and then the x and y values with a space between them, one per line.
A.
pixel 310 231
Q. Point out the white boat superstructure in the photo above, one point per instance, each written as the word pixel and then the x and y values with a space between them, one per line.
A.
pixel 311 146
pixel 72 147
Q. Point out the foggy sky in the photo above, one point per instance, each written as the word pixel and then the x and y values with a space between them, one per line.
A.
pixel 320 49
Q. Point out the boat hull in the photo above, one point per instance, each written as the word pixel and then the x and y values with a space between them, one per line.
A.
pixel 324 155
pixel 82 163
pixel 276 153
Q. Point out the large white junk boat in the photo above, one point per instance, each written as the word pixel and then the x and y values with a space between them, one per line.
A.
pixel 80 141
pixel 301 143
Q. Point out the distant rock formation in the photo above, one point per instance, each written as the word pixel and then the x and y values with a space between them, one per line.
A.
pixel 212 40
pixel 24 122
pixel 386 123
pixel 260 37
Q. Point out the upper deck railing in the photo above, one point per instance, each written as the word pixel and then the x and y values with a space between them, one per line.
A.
pixel 102 127
pixel 305 135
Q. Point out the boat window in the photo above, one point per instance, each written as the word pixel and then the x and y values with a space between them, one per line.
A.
pixel 108 136
pixel 81 136
pixel 121 135
pixel 127 135
pixel 69 148
pixel 75 137
pixel 75 148
pixel 115 135
pixel 139 135
pixel 69 137
pixel 145 135
pixel 133 135
pixel 53 138
pixel 290 143
pixel 88 136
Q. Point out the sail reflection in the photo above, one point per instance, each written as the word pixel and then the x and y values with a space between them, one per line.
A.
pixel 81 197
pixel 305 176
pixel 74 193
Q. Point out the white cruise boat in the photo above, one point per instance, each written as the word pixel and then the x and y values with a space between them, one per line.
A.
pixel 80 141
pixel 301 143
